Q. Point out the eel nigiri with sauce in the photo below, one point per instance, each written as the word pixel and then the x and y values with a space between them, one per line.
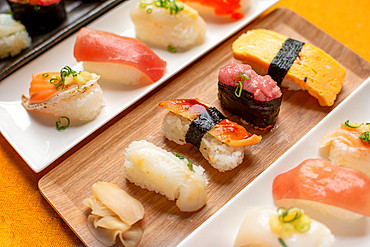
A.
pixel 76 95
pixel 337 191
pixel 118 58
pixel 220 140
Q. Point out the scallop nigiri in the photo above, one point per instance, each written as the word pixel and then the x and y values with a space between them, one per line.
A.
pixel 334 190
pixel 220 140
pixel 350 146
pixel 117 58
pixel 65 93
pixel 220 9
pixel 168 24
pixel 172 175
pixel 266 226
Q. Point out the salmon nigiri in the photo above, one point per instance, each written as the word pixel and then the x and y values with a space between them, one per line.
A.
pixel 75 95
pixel 117 58
pixel 334 190
pixel 350 146
pixel 220 140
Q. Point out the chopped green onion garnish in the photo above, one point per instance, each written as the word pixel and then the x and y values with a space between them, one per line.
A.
pixel 172 49
pixel 64 72
pixel 239 84
pixel 174 5
pixel 45 75
pixel 281 241
pixel 59 122
pixel 190 163
pixel 350 125
pixel 365 138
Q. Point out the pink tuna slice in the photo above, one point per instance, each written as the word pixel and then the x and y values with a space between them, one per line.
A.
pixel 264 88
pixel 99 46
pixel 321 181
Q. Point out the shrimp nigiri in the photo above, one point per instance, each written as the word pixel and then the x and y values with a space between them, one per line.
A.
pixel 350 146
pixel 334 190
pixel 65 93
pixel 172 175
pixel 220 140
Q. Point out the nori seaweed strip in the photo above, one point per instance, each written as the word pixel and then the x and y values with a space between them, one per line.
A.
pixel 284 59
pixel 260 114
pixel 200 125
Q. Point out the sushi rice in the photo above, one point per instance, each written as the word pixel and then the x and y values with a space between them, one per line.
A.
pixel 13 37
pixel 220 155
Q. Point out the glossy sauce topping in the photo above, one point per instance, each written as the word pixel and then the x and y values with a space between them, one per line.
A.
pixel 223 7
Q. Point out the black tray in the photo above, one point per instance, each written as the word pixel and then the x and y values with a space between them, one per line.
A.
pixel 79 14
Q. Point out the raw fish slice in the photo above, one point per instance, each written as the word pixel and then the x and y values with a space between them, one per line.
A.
pixel 256 231
pixel 100 49
pixel 322 182
pixel 225 131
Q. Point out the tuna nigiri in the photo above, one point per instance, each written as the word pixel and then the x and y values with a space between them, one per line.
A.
pixel 172 175
pixel 117 58
pixel 337 191
pixel 220 140
pixel 168 24
pixel 254 98
pixel 265 226
pixel 225 9
pixel 65 93
pixel 350 146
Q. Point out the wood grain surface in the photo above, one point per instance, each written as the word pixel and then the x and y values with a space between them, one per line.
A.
pixel 101 157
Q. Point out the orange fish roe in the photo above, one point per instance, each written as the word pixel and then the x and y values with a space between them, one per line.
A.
pixel 223 7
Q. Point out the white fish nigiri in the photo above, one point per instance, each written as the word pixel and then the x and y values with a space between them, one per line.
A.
pixel 156 169
pixel 114 215
pixel 169 24
pixel 349 146
pixel 256 231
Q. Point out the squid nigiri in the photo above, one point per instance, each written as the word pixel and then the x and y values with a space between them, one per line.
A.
pixel 65 93
pixel 334 190
pixel 220 140
pixel 350 146
pixel 172 175
pixel 266 226
pixel 168 24
pixel 117 58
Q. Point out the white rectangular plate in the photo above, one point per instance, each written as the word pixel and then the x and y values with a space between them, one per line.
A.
pixel 35 137
pixel 222 227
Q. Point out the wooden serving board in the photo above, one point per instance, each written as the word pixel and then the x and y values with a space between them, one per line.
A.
pixel 101 158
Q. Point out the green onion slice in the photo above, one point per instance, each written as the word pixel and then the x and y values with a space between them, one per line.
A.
pixel 60 81
pixel 59 122
pixel 190 163
pixel 281 241
pixel 45 75
pixel 351 125
pixel 365 138
pixel 172 49
pixel 174 5
pixel 239 84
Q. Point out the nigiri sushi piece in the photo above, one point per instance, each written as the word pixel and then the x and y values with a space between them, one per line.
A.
pixel 350 146
pixel 337 191
pixel 267 226
pixel 114 216
pixel 13 37
pixel 117 58
pixel 169 174
pixel 168 24
pixel 254 98
pixel 65 93
pixel 220 140
pixel 224 9
pixel 39 16
pixel 291 62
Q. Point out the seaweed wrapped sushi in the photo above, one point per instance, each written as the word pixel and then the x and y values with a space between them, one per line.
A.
pixel 254 98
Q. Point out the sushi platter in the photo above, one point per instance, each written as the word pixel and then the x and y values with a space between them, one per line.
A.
pixel 78 14
pixel 300 125
pixel 47 144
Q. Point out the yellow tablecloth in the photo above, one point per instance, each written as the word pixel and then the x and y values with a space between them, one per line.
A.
pixel 26 218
